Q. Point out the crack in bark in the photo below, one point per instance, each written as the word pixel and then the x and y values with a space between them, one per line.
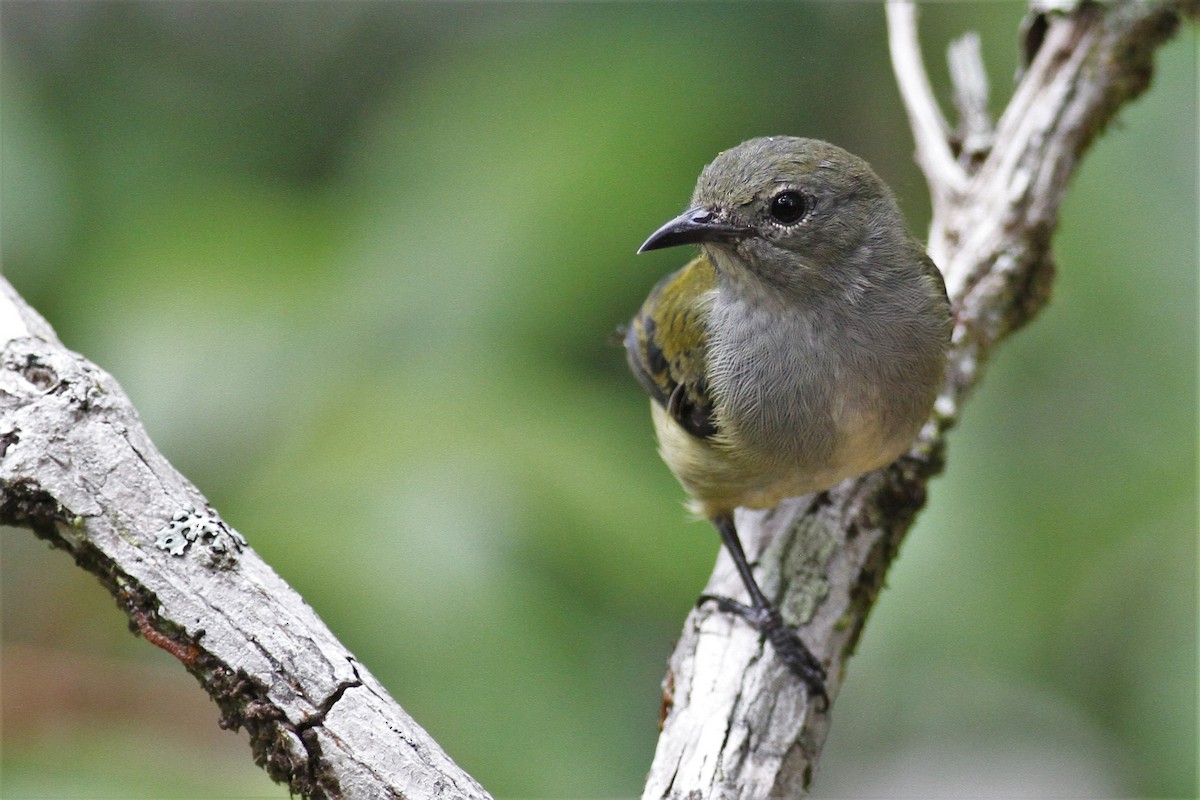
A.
pixel 318 716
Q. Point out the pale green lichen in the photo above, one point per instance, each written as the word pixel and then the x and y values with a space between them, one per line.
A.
pixel 204 528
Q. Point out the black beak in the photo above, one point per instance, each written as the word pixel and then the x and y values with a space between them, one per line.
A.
pixel 692 227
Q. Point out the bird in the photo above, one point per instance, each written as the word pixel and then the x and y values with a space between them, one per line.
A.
pixel 805 344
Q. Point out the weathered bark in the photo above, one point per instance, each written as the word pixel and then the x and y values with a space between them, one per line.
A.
pixel 77 467
pixel 737 724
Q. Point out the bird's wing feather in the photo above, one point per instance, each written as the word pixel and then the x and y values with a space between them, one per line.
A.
pixel 667 342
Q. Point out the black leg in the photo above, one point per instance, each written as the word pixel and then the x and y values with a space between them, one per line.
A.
pixel 766 618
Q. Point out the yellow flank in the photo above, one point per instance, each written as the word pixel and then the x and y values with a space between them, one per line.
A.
pixel 712 483
pixel 719 476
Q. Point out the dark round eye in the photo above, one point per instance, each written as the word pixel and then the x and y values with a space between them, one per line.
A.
pixel 788 207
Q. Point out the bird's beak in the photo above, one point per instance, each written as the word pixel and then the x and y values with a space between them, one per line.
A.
pixel 692 227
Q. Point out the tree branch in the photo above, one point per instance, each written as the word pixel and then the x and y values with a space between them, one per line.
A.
pixel 930 129
pixel 77 467
pixel 736 725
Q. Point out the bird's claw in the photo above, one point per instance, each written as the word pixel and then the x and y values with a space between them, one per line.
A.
pixel 788 646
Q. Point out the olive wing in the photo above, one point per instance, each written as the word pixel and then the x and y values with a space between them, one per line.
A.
pixel 666 345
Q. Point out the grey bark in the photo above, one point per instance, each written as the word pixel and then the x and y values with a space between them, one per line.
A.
pixel 78 469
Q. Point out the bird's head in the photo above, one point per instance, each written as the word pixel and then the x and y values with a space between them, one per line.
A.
pixel 790 212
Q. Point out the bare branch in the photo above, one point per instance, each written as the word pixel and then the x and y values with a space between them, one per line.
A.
pixel 736 726
pixel 975 131
pixel 930 129
pixel 77 467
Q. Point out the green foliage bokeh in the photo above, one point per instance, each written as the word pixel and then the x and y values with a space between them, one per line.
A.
pixel 357 265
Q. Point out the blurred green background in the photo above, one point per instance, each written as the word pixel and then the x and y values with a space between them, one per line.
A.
pixel 357 265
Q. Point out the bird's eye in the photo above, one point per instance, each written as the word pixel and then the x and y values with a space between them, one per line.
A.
pixel 788 207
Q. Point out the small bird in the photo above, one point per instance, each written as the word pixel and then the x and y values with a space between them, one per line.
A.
pixel 804 345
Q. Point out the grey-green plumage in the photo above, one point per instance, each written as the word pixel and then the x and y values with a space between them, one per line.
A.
pixel 806 343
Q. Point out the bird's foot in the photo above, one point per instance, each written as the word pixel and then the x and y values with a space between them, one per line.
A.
pixel 767 621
